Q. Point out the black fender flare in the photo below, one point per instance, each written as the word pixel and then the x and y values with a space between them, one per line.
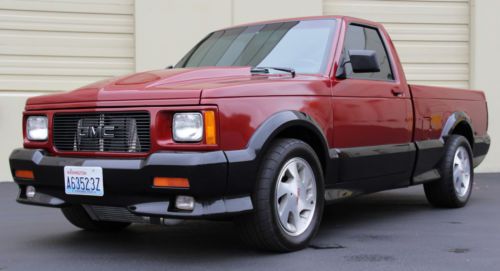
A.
pixel 451 123
pixel 278 123
pixel 243 164
pixel 480 144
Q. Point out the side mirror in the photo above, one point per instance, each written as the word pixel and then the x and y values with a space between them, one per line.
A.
pixel 363 61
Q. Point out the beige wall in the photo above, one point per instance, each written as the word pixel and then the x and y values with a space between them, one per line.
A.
pixel 48 46
pixel 11 108
pixel 485 56
pixel 167 29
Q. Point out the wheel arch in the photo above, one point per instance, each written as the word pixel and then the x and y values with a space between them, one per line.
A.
pixel 244 164
pixel 291 124
pixel 459 123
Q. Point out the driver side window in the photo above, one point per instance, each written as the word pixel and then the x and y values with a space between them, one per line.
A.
pixel 366 38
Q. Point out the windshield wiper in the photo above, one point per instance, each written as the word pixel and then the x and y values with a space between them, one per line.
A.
pixel 267 69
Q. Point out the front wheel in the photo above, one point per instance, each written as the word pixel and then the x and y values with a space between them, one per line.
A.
pixel 288 199
pixel 454 188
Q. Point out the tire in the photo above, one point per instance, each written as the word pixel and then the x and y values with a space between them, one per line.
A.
pixel 454 188
pixel 77 216
pixel 263 228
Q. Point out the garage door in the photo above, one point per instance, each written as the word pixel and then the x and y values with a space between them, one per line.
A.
pixel 63 44
pixel 432 36
pixel 56 45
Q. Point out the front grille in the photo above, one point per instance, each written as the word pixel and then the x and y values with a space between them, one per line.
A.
pixel 116 214
pixel 102 132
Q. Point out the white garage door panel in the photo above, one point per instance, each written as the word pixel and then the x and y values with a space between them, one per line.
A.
pixel 431 36
pixel 70 22
pixel 428 32
pixel 437 72
pixel 402 11
pixel 450 84
pixel 65 44
pixel 56 45
pixel 433 52
pixel 44 83
pixel 73 6
pixel 42 65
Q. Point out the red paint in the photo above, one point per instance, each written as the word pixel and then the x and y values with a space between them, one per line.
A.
pixel 350 112
pixel 173 86
pixel 438 101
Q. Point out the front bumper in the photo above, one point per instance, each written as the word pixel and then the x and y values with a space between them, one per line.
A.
pixel 128 183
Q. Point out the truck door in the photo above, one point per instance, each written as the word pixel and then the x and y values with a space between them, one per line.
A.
pixel 372 115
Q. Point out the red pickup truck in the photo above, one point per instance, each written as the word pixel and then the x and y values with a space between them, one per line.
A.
pixel 262 123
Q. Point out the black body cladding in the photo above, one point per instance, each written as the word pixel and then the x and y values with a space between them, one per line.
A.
pixel 222 181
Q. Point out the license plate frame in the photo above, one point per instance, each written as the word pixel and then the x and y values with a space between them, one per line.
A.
pixel 83 181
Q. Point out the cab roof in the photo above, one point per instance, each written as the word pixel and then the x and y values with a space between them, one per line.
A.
pixel 337 17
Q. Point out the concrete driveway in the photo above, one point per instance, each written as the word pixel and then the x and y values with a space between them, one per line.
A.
pixel 393 230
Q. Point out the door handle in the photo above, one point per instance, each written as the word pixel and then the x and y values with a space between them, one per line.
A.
pixel 396 91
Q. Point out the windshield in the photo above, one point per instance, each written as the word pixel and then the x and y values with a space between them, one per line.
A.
pixel 301 45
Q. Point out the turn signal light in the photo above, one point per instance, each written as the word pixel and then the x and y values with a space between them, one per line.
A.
pixel 210 131
pixel 171 182
pixel 24 174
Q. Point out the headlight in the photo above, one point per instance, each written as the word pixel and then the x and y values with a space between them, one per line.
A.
pixel 37 128
pixel 188 127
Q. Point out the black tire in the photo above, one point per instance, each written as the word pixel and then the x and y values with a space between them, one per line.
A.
pixel 442 193
pixel 261 229
pixel 77 216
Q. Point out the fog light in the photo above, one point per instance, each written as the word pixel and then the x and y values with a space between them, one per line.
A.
pixel 184 203
pixel 30 191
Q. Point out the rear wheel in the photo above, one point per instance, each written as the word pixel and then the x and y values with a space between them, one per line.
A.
pixel 454 188
pixel 77 216
pixel 288 199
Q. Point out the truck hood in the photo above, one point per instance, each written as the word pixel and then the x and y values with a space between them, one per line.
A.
pixel 175 86
pixel 188 86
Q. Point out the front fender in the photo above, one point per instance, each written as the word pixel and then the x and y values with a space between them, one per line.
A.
pixel 243 165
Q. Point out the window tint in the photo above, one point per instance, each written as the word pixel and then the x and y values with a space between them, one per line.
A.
pixel 301 45
pixel 366 38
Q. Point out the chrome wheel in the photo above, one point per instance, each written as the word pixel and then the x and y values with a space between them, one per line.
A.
pixel 461 171
pixel 295 196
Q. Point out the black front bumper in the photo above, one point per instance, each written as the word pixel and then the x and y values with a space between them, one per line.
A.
pixel 129 182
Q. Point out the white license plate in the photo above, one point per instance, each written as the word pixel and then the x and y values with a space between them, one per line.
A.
pixel 85 181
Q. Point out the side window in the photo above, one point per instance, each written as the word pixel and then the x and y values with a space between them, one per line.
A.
pixel 366 38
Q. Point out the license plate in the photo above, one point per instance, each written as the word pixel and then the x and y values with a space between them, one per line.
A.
pixel 85 181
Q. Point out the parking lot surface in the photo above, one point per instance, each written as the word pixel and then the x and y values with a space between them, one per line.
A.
pixel 394 230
